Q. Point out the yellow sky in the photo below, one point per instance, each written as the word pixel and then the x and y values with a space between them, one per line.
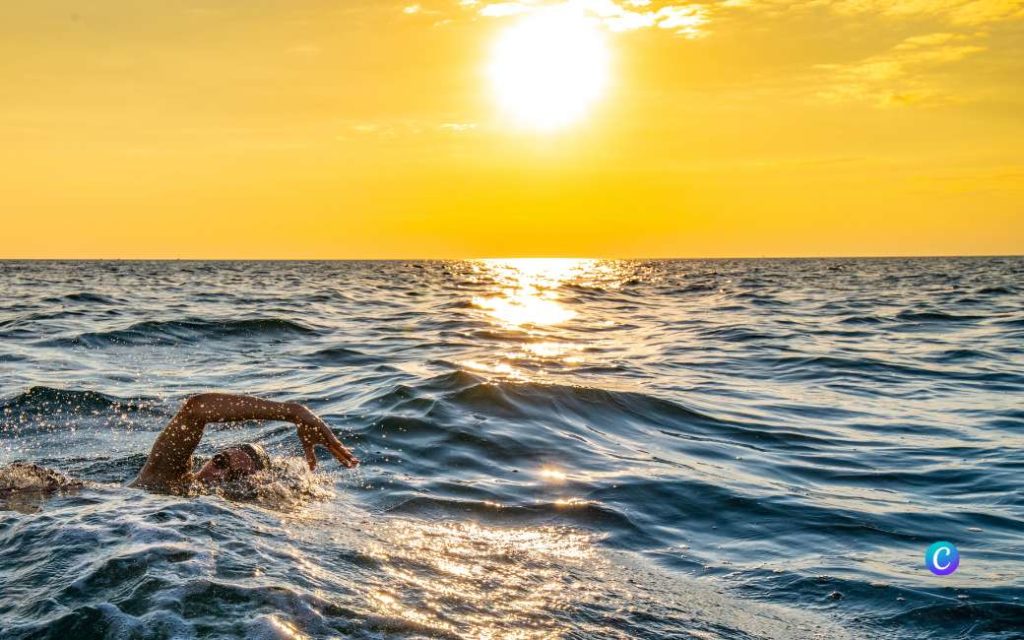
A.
pixel 357 128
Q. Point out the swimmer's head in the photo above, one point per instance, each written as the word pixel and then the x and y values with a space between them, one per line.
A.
pixel 234 463
pixel 22 477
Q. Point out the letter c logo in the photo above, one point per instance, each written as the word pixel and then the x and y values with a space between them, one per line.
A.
pixel 942 558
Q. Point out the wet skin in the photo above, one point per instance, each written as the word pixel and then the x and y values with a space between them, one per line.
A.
pixel 170 462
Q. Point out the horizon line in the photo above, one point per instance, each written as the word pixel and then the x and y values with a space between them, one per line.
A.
pixel 527 257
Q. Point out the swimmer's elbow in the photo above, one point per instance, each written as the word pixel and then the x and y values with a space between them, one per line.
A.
pixel 192 405
pixel 199 399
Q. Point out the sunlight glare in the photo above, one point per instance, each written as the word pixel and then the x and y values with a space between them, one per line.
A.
pixel 528 293
pixel 537 300
pixel 464 579
pixel 547 69
pixel 551 474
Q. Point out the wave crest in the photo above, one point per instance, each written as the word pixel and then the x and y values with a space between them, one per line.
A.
pixel 40 399
pixel 173 332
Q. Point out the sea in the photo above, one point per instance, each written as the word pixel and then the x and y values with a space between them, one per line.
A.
pixel 551 448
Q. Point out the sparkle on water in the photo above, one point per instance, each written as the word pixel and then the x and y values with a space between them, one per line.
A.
pixel 551 447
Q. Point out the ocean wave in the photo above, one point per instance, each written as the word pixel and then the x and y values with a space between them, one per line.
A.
pixel 936 317
pixel 876 370
pixel 26 324
pixel 888 609
pixel 516 422
pixel 863 319
pixel 965 355
pixel 343 356
pixel 47 400
pixel 583 513
pixel 961 618
pixel 173 332
pixel 741 334
pixel 798 456
pixel 817 367
pixel 83 297
pixel 997 291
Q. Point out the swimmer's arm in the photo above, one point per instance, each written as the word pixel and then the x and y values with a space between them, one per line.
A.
pixel 170 459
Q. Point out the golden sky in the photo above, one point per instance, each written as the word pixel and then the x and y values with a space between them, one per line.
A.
pixel 448 128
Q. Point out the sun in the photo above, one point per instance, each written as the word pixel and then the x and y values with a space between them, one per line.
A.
pixel 549 68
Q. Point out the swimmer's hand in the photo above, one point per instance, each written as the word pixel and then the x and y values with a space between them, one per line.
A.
pixel 170 460
pixel 314 432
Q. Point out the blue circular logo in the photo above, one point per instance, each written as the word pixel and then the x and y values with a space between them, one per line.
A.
pixel 942 558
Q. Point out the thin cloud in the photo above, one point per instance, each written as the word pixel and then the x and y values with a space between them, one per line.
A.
pixel 900 76
pixel 913 72
pixel 972 12
pixel 687 20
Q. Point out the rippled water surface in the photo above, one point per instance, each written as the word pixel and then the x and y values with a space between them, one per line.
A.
pixel 551 449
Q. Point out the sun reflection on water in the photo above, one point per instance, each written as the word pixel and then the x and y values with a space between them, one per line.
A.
pixel 552 474
pixel 283 629
pixel 526 298
pixel 528 289
pixel 557 350
pixel 466 579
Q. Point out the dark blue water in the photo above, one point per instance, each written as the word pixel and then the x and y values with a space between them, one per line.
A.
pixel 574 449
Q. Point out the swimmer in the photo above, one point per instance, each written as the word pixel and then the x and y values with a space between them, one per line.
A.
pixel 170 463
pixel 169 468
